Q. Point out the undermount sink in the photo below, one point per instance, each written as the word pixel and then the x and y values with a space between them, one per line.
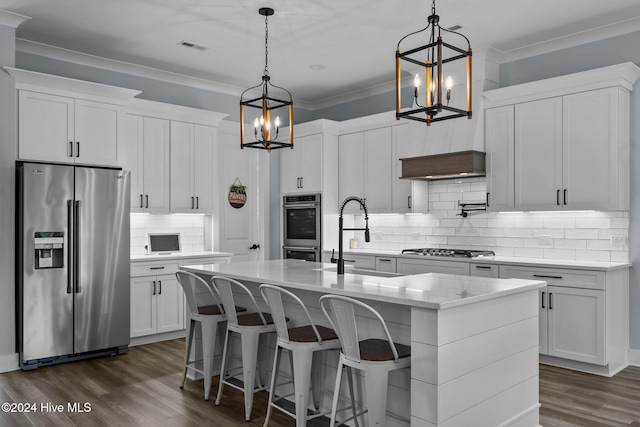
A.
pixel 361 271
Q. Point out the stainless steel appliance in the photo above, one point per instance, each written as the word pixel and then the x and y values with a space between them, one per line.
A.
pixel 302 226
pixel 73 266
pixel 464 253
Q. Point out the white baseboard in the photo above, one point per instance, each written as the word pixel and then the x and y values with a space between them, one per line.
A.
pixel 9 362
pixel 634 357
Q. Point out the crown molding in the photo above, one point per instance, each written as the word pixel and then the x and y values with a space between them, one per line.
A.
pixel 10 19
pixel 589 36
pixel 88 60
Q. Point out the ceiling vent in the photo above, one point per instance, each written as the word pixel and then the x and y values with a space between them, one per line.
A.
pixel 192 45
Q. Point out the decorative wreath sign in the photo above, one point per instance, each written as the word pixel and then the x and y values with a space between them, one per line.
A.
pixel 237 194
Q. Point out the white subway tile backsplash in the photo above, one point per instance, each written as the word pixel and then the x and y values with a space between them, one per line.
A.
pixel 562 235
pixel 190 227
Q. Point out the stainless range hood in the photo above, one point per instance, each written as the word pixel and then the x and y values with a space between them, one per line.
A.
pixel 461 164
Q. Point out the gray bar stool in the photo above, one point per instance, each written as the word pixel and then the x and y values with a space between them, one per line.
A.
pixel 208 316
pixel 373 356
pixel 304 344
pixel 249 326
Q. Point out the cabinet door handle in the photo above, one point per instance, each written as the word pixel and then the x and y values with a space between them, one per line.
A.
pixel 565 196
pixel 70 148
pixel 488 204
pixel 160 286
pixel 409 202
pixel 550 301
pixel 302 182
pixel 197 202
pixel 157 268
pixel 558 197
pixel 147 199
pixel 543 299
pixel 77 148
pixel 192 202
pixel 544 276
pixel 154 287
pixel 141 202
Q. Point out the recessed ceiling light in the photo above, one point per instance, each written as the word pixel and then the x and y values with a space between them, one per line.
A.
pixel 192 45
pixel 316 67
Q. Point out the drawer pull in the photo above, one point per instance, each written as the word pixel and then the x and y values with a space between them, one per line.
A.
pixel 384 260
pixel 156 268
pixel 543 276
pixel 484 267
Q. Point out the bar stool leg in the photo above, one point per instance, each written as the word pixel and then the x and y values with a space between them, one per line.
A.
pixel 376 381
pixel 208 347
pixel 336 394
pixel 302 361
pixel 272 387
pixel 190 337
pixel 317 377
pixel 223 367
pixel 352 395
pixel 249 342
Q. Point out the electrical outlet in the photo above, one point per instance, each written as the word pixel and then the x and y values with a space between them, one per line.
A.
pixel 544 240
pixel 414 237
pixel 618 240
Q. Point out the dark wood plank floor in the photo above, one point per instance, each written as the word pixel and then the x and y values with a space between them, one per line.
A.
pixel 141 389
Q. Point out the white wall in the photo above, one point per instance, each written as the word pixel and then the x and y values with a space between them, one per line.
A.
pixel 7 194
pixel 559 235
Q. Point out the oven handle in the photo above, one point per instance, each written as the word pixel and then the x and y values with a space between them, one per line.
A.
pixel 302 205
pixel 301 248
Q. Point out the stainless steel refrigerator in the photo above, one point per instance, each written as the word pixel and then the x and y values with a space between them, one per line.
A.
pixel 72 294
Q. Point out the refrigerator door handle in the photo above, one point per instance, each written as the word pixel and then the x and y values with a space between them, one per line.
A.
pixel 70 242
pixel 76 245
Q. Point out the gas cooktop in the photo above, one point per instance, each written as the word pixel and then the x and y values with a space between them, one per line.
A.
pixel 463 253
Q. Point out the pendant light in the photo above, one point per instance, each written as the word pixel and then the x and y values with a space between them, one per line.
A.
pixel 265 133
pixel 435 56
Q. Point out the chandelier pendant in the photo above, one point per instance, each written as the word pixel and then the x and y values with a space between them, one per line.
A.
pixel 439 54
pixel 266 132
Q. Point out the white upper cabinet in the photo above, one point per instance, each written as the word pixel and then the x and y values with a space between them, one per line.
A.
pixel 146 153
pixel 192 167
pixel 69 121
pixel 499 143
pixel 301 166
pixel 570 143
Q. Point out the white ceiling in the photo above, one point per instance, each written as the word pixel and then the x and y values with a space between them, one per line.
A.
pixel 353 40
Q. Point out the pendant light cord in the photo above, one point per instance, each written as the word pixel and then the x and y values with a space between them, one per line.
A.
pixel 266 45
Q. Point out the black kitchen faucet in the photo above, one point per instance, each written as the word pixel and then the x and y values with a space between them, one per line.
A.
pixel 340 259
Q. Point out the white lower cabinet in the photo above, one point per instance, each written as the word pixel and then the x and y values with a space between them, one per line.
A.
pixel 157 305
pixel 386 264
pixel 572 312
pixel 484 270
pixel 157 300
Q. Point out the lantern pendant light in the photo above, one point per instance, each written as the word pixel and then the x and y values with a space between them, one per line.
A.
pixel 439 54
pixel 266 132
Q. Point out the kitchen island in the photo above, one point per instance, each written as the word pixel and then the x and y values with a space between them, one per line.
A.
pixel 474 340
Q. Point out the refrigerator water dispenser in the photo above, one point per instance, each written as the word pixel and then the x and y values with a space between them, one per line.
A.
pixel 49 248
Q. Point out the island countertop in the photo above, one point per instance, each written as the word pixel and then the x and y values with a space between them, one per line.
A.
pixel 430 290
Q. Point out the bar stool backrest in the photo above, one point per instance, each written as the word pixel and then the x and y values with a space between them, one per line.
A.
pixel 273 296
pixel 343 321
pixel 190 283
pixel 226 287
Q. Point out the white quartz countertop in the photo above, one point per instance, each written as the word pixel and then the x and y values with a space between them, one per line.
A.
pixel 530 262
pixel 179 255
pixel 432 290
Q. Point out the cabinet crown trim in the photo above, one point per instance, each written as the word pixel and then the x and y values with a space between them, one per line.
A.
pixel 623 75
pixel 161 110
pixel 65 86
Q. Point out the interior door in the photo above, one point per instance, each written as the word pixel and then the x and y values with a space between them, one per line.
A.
pixel 239 227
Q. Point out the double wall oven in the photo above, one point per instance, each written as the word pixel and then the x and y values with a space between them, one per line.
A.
pixel 302 227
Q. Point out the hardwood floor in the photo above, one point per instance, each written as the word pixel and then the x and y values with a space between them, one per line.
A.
pixel 141 389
